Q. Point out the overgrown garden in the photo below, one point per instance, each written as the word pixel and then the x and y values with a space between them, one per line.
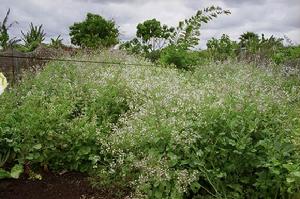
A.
pixel 176 123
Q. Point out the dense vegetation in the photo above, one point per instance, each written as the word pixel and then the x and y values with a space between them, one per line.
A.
pixel 94 32
pixel 223 131
pixel 177 123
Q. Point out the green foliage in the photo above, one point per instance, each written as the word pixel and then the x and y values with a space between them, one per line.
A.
pixel 15 172
pixel 4 36
pixel 258 48
pixel 249 39
pixel 222 49
pixel 179 57
pixel 34 37
pixel 59 123
pixel 285 54
pixel 223 131
pixel 134 46
pixel 153 35
pixel 56 42
pixel 151 38
pixel 94 32
pixel 187 33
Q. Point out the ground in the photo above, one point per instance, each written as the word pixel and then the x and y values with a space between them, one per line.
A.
pixel 52 186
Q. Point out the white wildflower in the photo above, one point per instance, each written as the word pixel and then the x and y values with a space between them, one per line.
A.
pixel 3 83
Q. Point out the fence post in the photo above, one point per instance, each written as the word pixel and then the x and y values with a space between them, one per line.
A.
pixel 16 65
pixel 13 66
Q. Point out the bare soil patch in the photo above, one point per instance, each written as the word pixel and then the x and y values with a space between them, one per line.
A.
pixel 52 186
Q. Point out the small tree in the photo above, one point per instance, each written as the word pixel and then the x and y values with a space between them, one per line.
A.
pixel 153 38
pixel 221 49
pixel 4 36
pixel 34 37
pixel 153 35
pixel 188 31
pixel 249 41
pixel 94 32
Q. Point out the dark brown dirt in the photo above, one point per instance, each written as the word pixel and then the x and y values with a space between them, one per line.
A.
pixel 52 186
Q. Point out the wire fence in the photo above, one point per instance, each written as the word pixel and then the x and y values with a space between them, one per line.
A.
pixel 13 65
pixel 74 60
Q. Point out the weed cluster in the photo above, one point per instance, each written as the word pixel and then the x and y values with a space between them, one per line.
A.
pixel 223 131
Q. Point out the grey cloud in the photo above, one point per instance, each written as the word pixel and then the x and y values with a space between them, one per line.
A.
pixel 276 17
pixel 238 3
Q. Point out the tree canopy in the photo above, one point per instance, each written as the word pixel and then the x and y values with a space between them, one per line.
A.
pixel 153 34
pixel 94 31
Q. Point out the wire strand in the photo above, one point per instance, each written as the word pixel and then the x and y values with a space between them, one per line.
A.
pixel 73 60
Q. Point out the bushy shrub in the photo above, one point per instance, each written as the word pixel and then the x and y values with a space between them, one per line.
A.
pixel 56 119
pixel 222 49
pixel 181 58
pixel 94 32
pixel 223 131
pixel 287 54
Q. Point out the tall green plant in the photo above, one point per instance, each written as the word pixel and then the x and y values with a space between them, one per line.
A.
pixel 4 36
pixel 188 31
pixel 153 35
pixel 56 42
pixel 221 49
pixel 34 37
pixel 257 48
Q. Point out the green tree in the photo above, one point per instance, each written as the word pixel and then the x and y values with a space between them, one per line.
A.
pixel 249 40
pixel 4 36
pixel 188 31
pixel 153 35
pixel 33 37
pixel 94 32
pixel 257 48
pixel 221 49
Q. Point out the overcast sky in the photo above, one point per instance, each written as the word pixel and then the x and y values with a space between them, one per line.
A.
pixel 272 17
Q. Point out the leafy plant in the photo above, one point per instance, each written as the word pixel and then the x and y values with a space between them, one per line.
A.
pixel 222 49
pixel 94 32
pixel 179 57
pixel 34 37
pixel 56 42
pixel 221 131
pixel 15 172
pixel 286 54
pixel 4 36
pixel 257 47
pixel 153 38
pixel 187 33
pixel 153 35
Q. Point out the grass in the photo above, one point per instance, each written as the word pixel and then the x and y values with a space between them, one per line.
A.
pixel 222 131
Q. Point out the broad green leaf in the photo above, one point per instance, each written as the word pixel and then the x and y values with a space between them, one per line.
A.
pixel 37 146
pixel 4 174
pixel 296 174
pixel 16 171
